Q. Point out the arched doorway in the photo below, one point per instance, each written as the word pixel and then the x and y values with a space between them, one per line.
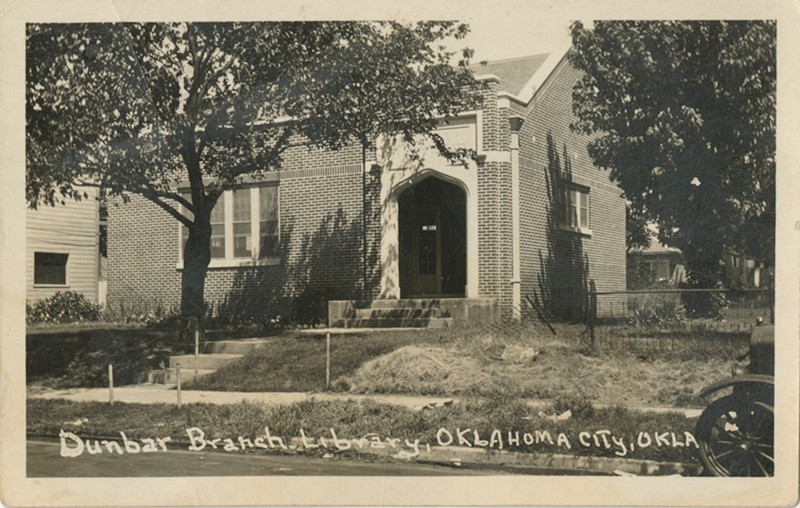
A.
pixel 432 230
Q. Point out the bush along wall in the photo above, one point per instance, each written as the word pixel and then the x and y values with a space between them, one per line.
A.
pixel 62 307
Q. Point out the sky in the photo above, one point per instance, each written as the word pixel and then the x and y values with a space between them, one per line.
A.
pixel 504 35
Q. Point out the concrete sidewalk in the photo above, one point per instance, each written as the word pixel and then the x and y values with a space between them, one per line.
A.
pixel 166 394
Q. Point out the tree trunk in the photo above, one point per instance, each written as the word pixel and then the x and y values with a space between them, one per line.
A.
pixel 196 257
pixel 703 272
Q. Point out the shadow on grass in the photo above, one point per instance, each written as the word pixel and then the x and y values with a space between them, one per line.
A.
pixel 295 364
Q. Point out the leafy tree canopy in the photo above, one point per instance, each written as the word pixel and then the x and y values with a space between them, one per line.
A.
pixel 684 118
pixel 137 108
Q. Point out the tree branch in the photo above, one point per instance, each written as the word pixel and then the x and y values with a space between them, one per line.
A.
pixel 153 197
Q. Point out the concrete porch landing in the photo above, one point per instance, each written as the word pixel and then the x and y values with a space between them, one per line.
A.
pixel 411 313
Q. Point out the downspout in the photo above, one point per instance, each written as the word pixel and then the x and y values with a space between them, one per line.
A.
pixel 364 216
pixel 515 122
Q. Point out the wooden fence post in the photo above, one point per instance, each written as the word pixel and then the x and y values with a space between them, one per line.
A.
pixel 592 311
pixel 328 360
pixel 196 348
pixel 110 384
pixel 178 379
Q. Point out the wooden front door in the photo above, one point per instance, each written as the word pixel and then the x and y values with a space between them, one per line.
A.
pixel 428 259
pixel 432 240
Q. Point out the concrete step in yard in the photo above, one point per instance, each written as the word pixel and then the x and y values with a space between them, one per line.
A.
pixel 394 323
pixel 204 361
pixel 169 377
pixel 236 347
pixel 206 364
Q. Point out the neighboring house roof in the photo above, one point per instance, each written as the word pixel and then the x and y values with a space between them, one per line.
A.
pixel 657 248
pixel 514 73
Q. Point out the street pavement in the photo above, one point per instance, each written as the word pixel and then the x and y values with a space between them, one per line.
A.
pixel 44 460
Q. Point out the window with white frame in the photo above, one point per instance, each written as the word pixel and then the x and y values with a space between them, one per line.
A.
pixel 50 268
pixel 245 225
pixel 575 212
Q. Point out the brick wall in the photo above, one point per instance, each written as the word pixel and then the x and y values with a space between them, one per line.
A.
pixel 556 264
pixel 321 242
pixel 321 223
pixel 494 207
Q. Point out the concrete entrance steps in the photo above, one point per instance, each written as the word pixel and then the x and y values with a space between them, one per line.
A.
pixel 412 312
pixel 416 313
pixel 214 354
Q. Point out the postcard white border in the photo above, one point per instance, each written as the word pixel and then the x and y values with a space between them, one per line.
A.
pixel 17 490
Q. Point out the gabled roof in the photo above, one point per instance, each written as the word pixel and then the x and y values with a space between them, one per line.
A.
pixel 514 73
pixel 521 78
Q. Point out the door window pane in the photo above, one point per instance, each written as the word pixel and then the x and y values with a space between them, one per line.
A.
pixel 427 253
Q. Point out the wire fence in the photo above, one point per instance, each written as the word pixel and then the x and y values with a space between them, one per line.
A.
pixel 675 319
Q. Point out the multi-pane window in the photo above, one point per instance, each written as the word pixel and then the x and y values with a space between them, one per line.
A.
pixel 576 208
pixel 50 268
pixel 269 231
pixel 239 217
pixel 242 224
pixel 218 229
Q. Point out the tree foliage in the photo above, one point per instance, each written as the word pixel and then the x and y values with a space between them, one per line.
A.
pixel 684 117
pixel 142 108
pixel 637 233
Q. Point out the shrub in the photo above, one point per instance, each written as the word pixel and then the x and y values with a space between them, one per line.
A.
pixel 131 356
pixel 233 315
pixel 705 305
pixel 657 313
pixel 310 308
pixel 62 307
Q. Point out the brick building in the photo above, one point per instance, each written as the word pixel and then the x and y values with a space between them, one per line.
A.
pixel 531 217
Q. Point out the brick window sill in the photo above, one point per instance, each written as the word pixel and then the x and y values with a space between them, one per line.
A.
pixel 237 263
pixel 577 230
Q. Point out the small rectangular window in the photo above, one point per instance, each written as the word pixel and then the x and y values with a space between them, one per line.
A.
pixel 575 210
pixel 50 268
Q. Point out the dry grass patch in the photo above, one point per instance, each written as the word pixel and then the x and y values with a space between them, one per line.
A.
pixel 537 367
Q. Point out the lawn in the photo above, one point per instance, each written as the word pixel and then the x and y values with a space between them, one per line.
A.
pixel 631 434
pixel 296 362
pixel 520 361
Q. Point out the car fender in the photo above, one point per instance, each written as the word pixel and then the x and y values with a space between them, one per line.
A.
pixel 735 380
